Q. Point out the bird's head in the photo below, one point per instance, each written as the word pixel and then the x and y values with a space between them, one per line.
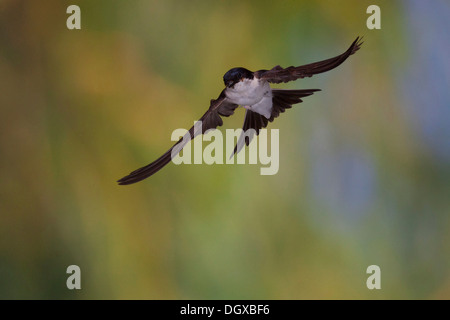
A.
pixel 236 75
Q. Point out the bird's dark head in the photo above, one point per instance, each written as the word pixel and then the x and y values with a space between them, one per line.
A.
pixel 235 75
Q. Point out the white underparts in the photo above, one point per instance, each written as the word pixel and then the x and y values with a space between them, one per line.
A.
pixel 254 94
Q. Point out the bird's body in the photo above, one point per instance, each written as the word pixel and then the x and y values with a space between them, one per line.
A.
pixel 253 94
pixel 252 91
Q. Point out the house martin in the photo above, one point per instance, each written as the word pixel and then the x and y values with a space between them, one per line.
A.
pixel 252 91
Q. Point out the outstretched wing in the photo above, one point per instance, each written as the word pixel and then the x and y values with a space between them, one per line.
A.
pixel 279 74
pixel 210 120
pixel 281 100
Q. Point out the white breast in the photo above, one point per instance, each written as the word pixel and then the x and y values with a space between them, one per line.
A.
pixel 248 92
pixel 264 106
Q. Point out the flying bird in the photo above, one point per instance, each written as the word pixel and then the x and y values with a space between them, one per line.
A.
pixel 252 91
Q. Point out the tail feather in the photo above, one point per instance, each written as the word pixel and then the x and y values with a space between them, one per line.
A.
pixel 281 100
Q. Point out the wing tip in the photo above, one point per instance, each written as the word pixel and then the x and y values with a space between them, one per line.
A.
pixel 356 45
pixel 130 179
pixel 133 177
pixel 125 181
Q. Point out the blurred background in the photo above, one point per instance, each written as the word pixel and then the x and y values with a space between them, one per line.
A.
pixel 364 172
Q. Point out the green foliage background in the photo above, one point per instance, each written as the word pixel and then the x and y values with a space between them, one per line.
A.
pixel 364 164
